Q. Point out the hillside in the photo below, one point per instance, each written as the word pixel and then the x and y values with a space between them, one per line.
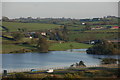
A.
pixel 13 26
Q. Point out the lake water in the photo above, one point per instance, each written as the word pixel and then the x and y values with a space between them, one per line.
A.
pixel 51 59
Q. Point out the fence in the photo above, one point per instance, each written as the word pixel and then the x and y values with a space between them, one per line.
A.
pixel 41 69
pixel 29 69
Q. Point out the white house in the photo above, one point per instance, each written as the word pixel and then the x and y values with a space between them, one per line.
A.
pixel 43 33
pixel 83 23
pixel 30 37
pixel 50 71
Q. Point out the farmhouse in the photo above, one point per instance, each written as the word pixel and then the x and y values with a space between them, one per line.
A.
pixel 96 19
pixel 43 33
pixel 108 27
pixel 115 27
pixel 96 28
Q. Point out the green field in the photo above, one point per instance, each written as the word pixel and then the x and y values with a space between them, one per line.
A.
pixel 65 46
pixel 11 47
pixel 7 48
pixel 106 30
pixel 13 26
pixel 76 27
pixel 79 27
pixel 88 36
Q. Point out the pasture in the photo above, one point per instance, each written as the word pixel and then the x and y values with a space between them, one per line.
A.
pixel 66 45
pixel 13 26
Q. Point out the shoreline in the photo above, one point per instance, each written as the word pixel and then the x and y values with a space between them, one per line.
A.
pixel 47 52
pixel 62 68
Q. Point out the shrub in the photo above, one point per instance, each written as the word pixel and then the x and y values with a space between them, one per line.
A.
pixel 103 48
pixel 17 36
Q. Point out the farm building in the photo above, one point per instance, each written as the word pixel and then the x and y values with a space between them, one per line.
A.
pixel 108 27
pixel 115 27
pixel 44 33
pixel 97 27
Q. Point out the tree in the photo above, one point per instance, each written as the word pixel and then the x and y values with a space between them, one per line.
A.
pixel 22 29
pixel 4 18
pixel 102 48
pixel 17 36
pixel 65 32
pixel 87 26
pixel 29 18
pixel 108 61
pixel 71 46
pixel 42 45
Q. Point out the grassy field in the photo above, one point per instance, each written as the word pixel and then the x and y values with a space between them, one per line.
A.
pixel 86 36
pixel 106 30
pixel 11 47
pixel 65 46
pixel 79 27
pixel 76 27
pixel 13 26
pixel 7 48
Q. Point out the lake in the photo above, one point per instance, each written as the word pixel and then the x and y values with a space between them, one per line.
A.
pixel 51 59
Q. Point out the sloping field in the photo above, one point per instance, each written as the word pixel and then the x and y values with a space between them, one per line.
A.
pixel 13 26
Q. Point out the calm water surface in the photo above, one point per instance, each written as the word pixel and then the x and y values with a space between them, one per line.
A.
pixel 51 59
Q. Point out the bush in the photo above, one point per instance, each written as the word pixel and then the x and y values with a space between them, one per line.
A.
pixel 108 61
pixel 42 45
pixel 17 36
pixel 103 48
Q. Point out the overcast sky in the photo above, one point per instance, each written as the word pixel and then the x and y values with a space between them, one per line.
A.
pixel 59 9
pixel 60 0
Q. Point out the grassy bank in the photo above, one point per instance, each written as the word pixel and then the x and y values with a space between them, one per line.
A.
pixel 65 46
pixel 11 47
pixel 7 48
pixel 69 74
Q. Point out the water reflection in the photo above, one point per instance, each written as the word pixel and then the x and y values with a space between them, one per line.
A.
pixel 51 59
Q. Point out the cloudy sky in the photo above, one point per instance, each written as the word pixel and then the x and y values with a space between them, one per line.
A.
pixel 60 0
pixel 59 9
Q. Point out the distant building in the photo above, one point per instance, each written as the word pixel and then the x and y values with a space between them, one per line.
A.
pixel 83 23
pixel 111 16
pixel 85 20
pixel 30 37
pixel 96 28
pixel 31 33
pixel 95 41
pixel 115 27
pixel 114 40
pixel 108 27
pixel 96 19
pixel 50 71
pixel 92 41
pixel 43 33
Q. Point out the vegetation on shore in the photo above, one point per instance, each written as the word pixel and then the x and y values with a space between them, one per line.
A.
pixel 68 74
pixel 67 45
pixel 110 61
pixel 52 47
pixel 104 48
